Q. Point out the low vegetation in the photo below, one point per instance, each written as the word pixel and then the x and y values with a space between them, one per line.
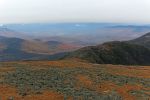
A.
pixel 94 82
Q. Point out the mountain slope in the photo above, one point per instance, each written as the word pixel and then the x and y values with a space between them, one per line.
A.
pixel 11 49
pixel 10 39
pixel 5 32
pixel 114 53
pixel 143 40
pixel 21 49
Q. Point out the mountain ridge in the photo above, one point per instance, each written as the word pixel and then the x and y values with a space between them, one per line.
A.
pixel 12 48
pixel 115 52
pixel 143 40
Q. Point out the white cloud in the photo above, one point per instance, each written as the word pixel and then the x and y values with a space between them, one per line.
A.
pixel 130 11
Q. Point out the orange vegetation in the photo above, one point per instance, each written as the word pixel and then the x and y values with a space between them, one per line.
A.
pixel 105 87
pixel 136 71
pixel 61 63
pixel 68 47
pixel 3 70
pixel 6 69
pixel 84 81
pixel 124 91
pixel 7 92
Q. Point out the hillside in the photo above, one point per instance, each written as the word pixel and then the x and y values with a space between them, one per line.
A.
pixel 114 53
pixel 143 40
pixel 73 80
pixel 20 49
pixel 11 49
pixel 6 32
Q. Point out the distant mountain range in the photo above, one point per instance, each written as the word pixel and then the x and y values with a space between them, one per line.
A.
pixel 84 32
pixel 10 33
pixel 21 49
pixel 11 49
pixel 19 46
pixel 36 46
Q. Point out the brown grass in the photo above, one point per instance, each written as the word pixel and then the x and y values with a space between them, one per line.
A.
pixel 124 91
pixel 106 87
pixel 83 80
pixel 8 91
pixel 60 63
pixel 139 71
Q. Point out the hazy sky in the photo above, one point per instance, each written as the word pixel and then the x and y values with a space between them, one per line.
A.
pixel 28 11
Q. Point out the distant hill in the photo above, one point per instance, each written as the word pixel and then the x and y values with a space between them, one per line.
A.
pixel 21 49
pixel 11 50
pixel 5 32
pixel 51 45
pixel 47 47
pixel 14 47
pixel 18 46
pixel 84 32
pixel 143 40
pixel 114 53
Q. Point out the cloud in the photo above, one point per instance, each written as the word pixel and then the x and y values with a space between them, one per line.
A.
pixel 25 11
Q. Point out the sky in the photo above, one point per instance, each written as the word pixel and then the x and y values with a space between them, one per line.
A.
pixel 62 11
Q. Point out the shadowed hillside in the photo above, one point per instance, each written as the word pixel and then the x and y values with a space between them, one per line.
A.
pixel 21 49
pixel 114 53
pixel 36 46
